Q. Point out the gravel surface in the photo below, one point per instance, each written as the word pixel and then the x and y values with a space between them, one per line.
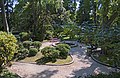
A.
pixel 81 67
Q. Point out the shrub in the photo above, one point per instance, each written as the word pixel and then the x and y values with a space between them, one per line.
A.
pixel 49 35
pixel 24 36
pixel 20 45
pixel 27 44
pixel 64 49
pixel 7 74
pixel 111 75
pixel 8 47
pixel 32 52
pixel 37 44
pixel 22 53
pixel 50 52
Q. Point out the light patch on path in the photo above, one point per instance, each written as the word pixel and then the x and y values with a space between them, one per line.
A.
pixel 82 66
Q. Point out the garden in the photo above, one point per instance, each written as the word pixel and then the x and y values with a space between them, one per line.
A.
pixel 44 32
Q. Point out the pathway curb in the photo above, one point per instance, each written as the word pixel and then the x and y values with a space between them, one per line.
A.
pixel 102 62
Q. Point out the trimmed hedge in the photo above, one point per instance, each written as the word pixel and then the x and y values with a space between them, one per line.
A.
pixel 50 52
pixel 64 50
pixel 23 53
pixel 27 44
pixel 37 44
pixel 32 52
pixel 24 36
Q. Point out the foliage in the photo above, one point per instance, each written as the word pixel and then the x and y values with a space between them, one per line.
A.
pixel 32 52
pixel 64 50
pixel 27 44
pixel 8 47
pixel 22 53
pixel 6 74
pixel 50 52
pixel 49 32
pixel 111 75
pixel 37 44
pixel 24 36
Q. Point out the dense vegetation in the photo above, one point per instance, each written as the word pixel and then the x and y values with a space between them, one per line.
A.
pixel 8 48
pixel 95 23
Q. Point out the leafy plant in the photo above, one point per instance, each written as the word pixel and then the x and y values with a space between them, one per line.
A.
pixel 27 44
pixel 32 52
pixel 37 44
pixel 23 53
pixel 6 74
pixel 64 50
pixel 8 47
pixel 24 36
pixel 50 52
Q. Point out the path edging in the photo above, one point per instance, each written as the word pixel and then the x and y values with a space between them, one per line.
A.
pixel 102 62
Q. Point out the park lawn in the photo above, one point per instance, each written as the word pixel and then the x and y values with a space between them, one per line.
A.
pixel 32 59
pixel 39 56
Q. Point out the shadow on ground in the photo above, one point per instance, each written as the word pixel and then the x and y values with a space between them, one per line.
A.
pixel 93 69
pixel 44 74
pixel 43 61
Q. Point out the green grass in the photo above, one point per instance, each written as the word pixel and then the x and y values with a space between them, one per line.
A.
pixel 39 56
pixel 32 59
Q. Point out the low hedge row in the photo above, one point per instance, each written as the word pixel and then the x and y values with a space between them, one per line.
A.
pixel 28 49
pixel 35 44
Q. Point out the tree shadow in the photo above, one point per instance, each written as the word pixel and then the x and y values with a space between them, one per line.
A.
pixel 44 74
pixel 42 61
pixel 94 69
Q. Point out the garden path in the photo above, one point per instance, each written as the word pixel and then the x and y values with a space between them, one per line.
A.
pixel 81 66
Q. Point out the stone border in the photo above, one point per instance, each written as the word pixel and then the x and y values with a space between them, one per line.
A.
pixel 102 62
pixel 51 64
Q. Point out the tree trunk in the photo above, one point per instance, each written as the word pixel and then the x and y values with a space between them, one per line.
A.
pixel 5 23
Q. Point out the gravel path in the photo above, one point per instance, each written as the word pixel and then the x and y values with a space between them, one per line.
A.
pixel 82 66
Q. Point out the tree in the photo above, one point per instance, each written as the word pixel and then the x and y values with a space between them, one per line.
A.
pixel 83 12
pixel 5 23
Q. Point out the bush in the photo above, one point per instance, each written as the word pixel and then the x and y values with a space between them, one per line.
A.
pixel 24 36
pixel 49 35
pixel 27 44
pixel 7 74
pixel 32 52
pixel 23 53
pixel 50 52
pixel 64 49
pixel 111 75
pixel 8 47
pixel 20 46
pixel 37 44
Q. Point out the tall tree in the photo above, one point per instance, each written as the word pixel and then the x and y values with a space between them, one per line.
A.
pixel 5 23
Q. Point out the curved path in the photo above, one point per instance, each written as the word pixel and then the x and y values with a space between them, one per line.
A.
pixel 82 66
